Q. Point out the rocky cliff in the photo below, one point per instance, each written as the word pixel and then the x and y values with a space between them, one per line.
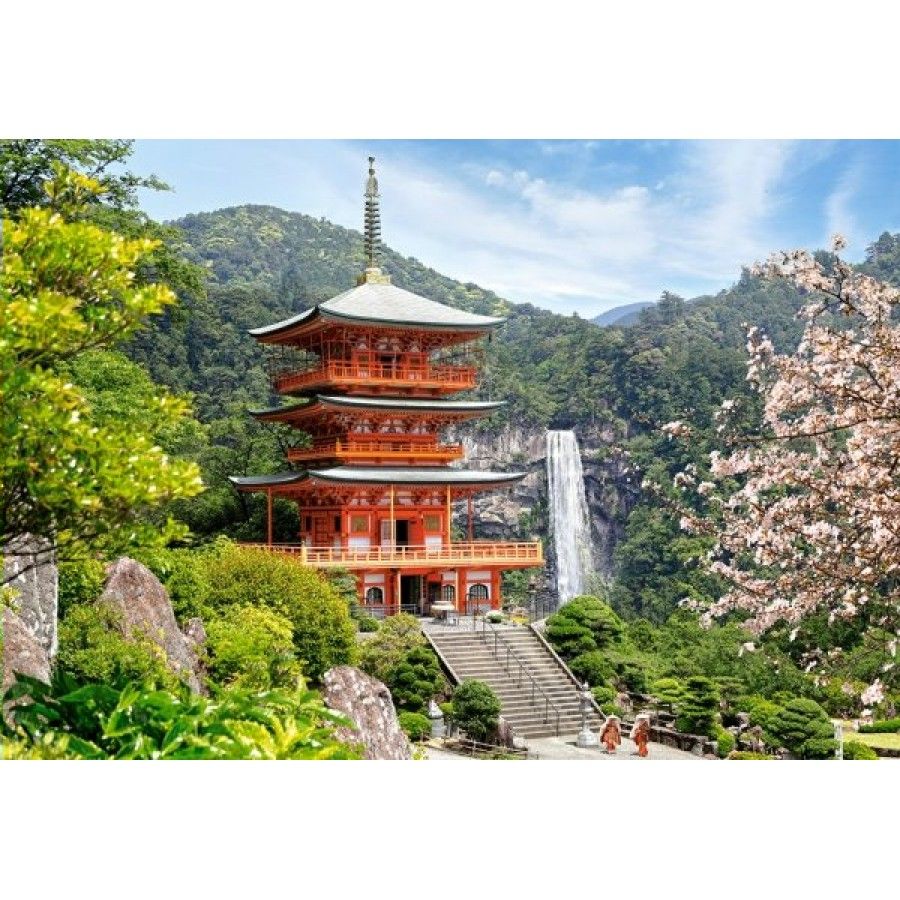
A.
pixel 521 512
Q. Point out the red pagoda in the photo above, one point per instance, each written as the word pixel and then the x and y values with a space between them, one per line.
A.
pixel 375 369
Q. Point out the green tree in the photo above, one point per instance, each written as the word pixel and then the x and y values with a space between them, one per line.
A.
pixel 583 624
pixel 476 709
pixel 67 287
pixel 804 729
pixel 415 679
pixel 698 708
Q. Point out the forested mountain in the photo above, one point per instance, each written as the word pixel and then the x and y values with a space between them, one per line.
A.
pixel 621 315
pixel 679 360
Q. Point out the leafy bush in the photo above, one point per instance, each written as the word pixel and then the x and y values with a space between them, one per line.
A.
pixel 858 750
pixel 885 726
pixel 494 616
pixel 611 709
pixel 476 709
pixel 415 679
pixel 251 647
pixel 747 754
pixel 592 667
pixel 367 624
pixel 93 648
pixel 698 709
pixel 185 576
pixel 805 730
pixel 323 632
pixel 724 741
pixel 603 694
pixel 100 721
pixel 581 625
pixel 762 712
pixel 416 725
pixel 80 581
pixel 396 636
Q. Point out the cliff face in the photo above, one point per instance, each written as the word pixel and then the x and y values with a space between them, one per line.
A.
pixel 521 512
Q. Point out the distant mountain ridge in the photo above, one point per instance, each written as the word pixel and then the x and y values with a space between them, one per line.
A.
pixel 626 314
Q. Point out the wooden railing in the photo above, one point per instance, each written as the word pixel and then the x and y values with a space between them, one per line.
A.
pixel 426 452
pixel 522 554
pixel 436 376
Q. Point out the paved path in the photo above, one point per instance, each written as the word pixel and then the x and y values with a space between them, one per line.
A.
pixel 563 747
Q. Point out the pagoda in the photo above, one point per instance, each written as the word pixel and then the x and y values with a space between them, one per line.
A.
pixel 371 375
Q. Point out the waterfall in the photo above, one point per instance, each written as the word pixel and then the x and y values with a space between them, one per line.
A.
pixel 569 523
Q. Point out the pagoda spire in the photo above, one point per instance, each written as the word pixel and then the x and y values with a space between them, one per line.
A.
pixel 372 231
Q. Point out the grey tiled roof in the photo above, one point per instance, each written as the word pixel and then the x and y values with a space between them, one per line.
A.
pixel 380 475
pixel 386 304
pixel 399 403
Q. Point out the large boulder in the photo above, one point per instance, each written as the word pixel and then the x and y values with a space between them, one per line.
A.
pixel 368 704
pixel 29 567
pixel 138 595
pixel 22 651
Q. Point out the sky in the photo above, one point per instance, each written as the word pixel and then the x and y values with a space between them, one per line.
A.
pixel 573 226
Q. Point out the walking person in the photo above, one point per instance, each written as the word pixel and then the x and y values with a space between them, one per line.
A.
pixel 611 734
pixel 640 733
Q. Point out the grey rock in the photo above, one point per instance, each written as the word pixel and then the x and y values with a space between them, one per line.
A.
pixel 22 652
pixel 368 704
pixel 138 595
pixel 29 567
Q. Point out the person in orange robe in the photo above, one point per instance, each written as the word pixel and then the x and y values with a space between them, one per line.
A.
pixel 640 733
pixel 611 734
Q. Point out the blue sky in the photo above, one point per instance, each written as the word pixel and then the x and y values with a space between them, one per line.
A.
pixel 569 225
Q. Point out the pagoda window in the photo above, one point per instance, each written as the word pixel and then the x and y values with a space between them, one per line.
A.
pixel 374 596
pixel 337 524
pixel 448 593
pixel 359 524
pixel 432 521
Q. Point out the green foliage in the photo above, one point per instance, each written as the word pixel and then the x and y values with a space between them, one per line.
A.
pixel 251 647
pixel 603 694
pixel 416 725
pixel 367 624
pixel 582 625
pixel 592 667
pixel 102 721
pixel 323 632
pixel 804 729
pixel 668 691
pixel 724 741
pixel 747 754
pixel 415 679
pixel 93 648
pixel 476 709
pixel 698 708
pixel 858 750
pixel 396 638
pixel 185 575
pixel 66 287
pixel 885 726
pixel 80 581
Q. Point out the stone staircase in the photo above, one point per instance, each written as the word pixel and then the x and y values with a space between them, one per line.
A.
pixel 470 654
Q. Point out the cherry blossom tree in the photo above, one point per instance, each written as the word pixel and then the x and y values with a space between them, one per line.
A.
pixel 805 513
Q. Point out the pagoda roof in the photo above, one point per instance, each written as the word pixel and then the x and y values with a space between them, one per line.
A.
pixel 398 404
pixel 379 475
pixel 382 304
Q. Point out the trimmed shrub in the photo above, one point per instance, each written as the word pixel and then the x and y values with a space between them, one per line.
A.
pixel 885 726
pixel 592 667
pixel 367 624
pixel 698 709
pixel 415 679
pixel 583 624
pixel 251 647
pixel 323 632
pixel 416 725
pixel 858 750
pixel 724 741
pixel 747 754
pixel 396 636
pixel 804 728
pixel 494 616
pixel 476 709
pixel 93 648
pixel 668 692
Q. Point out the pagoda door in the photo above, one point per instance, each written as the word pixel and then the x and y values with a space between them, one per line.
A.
pixel 321 532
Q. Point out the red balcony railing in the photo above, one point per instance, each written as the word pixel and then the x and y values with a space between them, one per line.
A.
pixel 395 451
pixel 351 374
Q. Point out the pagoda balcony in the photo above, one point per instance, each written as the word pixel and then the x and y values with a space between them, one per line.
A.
pixel 388 451
pixel 373 376
pixel 505 554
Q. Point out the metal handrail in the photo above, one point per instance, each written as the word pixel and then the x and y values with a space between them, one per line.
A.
pixel 511 654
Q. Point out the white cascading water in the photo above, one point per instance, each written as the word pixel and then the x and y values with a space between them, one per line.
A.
pixel 569 523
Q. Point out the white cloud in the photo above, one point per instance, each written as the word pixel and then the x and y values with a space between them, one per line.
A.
pixel 838 208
